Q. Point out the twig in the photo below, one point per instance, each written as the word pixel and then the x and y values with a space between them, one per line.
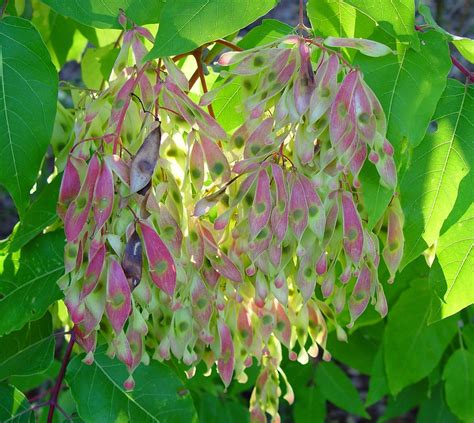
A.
pixel 197 56
pixel 469 75
pixel 143 107
pixel 4 6
pixel 226 43
pixel 62 372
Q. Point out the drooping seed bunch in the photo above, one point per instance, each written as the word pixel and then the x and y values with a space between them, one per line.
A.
pixel 185 241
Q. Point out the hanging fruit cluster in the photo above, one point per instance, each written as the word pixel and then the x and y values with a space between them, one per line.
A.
pixel 186 241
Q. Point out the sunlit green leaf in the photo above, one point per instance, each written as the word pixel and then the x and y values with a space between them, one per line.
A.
pixel 14 407
pixel 409 340
pixel 28 281
pixel 338 388
pixel 28 93
pixel 159 396
pixel 459 384
pixel 215 19
pixel 104 14
pixel 430 187
pixel 29 350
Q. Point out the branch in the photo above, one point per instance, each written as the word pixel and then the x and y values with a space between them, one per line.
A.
pixel 62 372
pixel 197 56
pixel 3 8
pixel 469 75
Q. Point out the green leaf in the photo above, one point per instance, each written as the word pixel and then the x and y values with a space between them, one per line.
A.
pixel 378 387
pixel 376 196
pixel 410 341
pixel 96 65
pixel 188 24
pixel 57 32
pixel 14 407
pixel 228 103
pixel 359 351
pixel 408 86
pixel 28 92
pixel 338 388
pixel 310 406
pixel 338 18
pixel 104 14
pixel 430 186
pixel 28 281
pixel 29 350
pixel 357 18
pixel 468 336
pixel 38 216
pixel 406 400
pixel 434 409
pixel 159 395
pixel 396 18
pixel 451 281
pixel 268 31
pixel 464 45
pixel 212 409
pixel 459 384
pixel 27 383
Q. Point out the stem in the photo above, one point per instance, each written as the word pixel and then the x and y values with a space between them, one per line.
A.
pixel 301 22
pixel 226 43
pixel 4 6
pixel 62 372
pixel 469 75
pixel 197 56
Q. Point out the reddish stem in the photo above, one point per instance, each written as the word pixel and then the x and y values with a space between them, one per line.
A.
pixel 62 372
pixel 469 75
pixel 4 6
pixel 226 43
pixel 197 56
pixel 301 21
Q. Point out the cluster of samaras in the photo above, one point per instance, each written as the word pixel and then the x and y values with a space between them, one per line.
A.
pixel 185 241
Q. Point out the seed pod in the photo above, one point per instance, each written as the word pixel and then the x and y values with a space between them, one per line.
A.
pixel 226 267
pixel 325 90
pixel 298 210
pixel 132 260
pixel 393 250
pixel 144 163
pixel 162 267
pixel 306 277
pixel 353 234
pixel 279 217
pixel 70 184
pixel 118 305
pixel 316 216
pixel 79 209
pixel 196 166
pixel 360 295
pixel 94 269
pixel 103 196
pixel 283 326
pixel 225 363
pixel 259 213
pixel 367 47
pixel 216 161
